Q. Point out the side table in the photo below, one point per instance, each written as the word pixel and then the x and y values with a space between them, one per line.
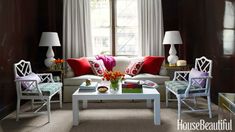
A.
pixel 227 101
pixel 226 107
pixel 171 69
pixel 58 75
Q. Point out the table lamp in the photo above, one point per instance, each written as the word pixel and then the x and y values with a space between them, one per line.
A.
pixel 172 37
pixel 49 39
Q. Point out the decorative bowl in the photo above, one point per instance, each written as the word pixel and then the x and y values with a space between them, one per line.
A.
pixel 102 89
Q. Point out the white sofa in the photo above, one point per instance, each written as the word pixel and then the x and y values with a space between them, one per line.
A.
pixel 72 83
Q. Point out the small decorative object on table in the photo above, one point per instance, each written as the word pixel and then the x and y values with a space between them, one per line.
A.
pixel 136 86
pixel 58 64
pixel 88 82
pixel 114 77
pixel 149 84
pixel 181 63
pixel 102 89
pixel 92 86
pixel 132 86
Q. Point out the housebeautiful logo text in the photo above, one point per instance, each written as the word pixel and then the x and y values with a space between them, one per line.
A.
pixel 203 125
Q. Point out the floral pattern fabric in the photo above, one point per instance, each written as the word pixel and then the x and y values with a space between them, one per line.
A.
pixel 97 67
pixel 134 68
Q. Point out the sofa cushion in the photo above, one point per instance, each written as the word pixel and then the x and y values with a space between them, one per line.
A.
pixel 127 76
pixel 78 64
pixel 134 67
pixel 97 67
pixel 152 64
pixel 121 63
pixel 80 79
pixel 155 78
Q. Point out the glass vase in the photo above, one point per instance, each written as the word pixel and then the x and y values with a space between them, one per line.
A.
pixel 114 86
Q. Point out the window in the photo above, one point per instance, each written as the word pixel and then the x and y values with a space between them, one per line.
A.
pixel 114 27
pixel 228 31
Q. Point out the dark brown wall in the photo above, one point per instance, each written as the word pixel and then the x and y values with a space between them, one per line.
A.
pixel 18 40
pixel 201 26
pixel 51 20
pixel 21 24
pixel 170 19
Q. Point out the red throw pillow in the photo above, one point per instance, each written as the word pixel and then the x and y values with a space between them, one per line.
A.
pixel 152 64
pixel 97 67
pixel 80 66
pixel 134 67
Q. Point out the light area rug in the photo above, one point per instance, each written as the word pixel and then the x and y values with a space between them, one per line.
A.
pixel 106 116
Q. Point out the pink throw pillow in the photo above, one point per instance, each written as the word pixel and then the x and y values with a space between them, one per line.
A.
pixel 97 67
pixel 134 67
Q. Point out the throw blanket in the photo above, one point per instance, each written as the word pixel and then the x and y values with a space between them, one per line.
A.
pixel 109 61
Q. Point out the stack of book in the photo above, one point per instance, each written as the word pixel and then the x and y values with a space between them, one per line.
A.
pixel 91 86
pixel 132 86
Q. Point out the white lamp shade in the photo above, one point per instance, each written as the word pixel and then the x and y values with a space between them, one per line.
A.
pixel 49 39
pixel 172 37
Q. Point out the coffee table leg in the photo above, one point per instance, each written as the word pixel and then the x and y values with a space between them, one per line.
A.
pixel 157 118
pixel 84 104
pixel 75 112
pixel 149 103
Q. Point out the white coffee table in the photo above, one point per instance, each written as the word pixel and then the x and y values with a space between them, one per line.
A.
pixel 148 94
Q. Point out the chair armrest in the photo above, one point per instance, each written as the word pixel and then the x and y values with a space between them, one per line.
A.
pixel 203 77
pixel 181 75
pixel 206 78
pixel 18 80
pixel 27 84
pixel 29 81
pixel 46 77
pixel 206 87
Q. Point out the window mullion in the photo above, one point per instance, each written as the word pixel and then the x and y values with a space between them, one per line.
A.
pixel 113 25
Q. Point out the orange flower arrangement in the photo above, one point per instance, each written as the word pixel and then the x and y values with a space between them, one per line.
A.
pixel 58 61
pixel 113 76
pixel 57 64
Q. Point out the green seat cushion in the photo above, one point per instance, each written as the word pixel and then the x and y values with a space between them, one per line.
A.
pixel 46 88
pixel 179 87
pixel 49 88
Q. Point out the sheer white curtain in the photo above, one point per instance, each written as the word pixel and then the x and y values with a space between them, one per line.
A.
pixel 76 29
pixel 151 27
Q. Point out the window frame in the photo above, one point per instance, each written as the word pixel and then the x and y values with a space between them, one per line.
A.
pixel 113 28
pixel 113 21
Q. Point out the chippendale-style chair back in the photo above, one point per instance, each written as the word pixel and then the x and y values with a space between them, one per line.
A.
pixel 22 68
pixel 203 64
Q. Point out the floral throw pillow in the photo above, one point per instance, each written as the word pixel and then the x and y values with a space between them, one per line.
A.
pixel 97 67
pixel 134 67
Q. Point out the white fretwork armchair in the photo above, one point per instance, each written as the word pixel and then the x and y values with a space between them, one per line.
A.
pixel 39 88
pixel 185 87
